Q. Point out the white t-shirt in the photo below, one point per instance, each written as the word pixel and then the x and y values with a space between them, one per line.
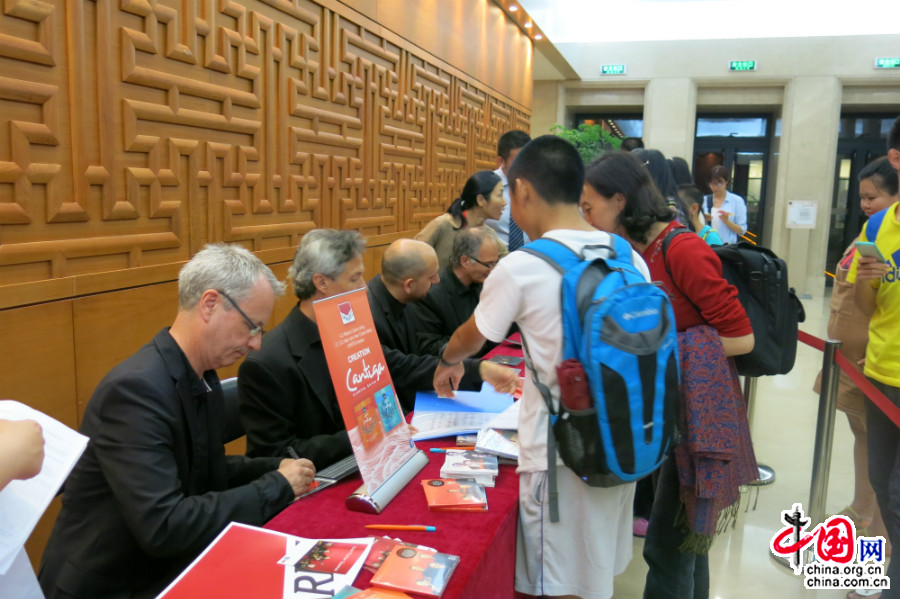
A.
pixel 525 289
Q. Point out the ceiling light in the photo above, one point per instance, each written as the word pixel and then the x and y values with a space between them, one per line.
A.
pixel 513 8
pixel 538 37
pixel 528 25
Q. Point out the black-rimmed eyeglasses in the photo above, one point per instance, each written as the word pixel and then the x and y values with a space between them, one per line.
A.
pixel 488 265
pixel 255 329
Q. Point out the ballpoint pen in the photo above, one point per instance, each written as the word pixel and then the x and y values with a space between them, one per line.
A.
pixel 445 449
pixel 294 456
pixel 417 527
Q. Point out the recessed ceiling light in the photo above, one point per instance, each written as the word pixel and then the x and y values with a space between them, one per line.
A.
pixel 528 25
pixel 513 8
pixel 538 37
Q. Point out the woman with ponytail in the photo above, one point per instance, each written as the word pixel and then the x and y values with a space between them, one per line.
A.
pixel 481 199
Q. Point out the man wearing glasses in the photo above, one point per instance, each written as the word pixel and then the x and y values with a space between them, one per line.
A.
pixel 154 486
pixel 452 301
pixel 409 268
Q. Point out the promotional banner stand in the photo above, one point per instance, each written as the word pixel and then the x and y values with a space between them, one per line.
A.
pixel 361 501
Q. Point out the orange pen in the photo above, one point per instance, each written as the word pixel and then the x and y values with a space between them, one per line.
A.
pixel 417 527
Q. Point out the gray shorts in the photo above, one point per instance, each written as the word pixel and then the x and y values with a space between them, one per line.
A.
pixel 584 551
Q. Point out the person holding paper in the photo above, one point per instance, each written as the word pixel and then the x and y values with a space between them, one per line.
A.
pixel 21 450
pixel 21 458
pixel 154 486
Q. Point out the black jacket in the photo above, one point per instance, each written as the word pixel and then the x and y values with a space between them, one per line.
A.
pixel 448 304
pixel 410 370
pixel 154 486
pixel 287 397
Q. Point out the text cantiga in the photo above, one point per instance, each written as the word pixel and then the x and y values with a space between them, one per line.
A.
pixel 368 373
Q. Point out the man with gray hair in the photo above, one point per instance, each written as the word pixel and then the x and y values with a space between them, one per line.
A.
pixel 154 486
pixel 287 399
pixel 452 301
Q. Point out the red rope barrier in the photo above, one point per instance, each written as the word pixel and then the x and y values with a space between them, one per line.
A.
pixel 865 385
pixel 811 341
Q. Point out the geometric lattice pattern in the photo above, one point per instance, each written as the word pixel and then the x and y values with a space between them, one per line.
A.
pixel 134 131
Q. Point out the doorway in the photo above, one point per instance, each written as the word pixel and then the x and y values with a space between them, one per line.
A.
pixel 741 144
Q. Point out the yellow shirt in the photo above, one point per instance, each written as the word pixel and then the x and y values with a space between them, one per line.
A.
pixel 883 351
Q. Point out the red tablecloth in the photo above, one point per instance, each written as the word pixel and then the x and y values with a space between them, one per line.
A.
pixel 485 542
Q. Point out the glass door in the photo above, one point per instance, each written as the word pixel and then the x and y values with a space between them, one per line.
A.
pixel 741 144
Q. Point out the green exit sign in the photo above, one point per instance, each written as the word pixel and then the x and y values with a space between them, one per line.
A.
pixel 612 69
pixel 742 65
pixel 887 63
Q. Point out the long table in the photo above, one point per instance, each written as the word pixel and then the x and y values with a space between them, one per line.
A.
pixel 485 542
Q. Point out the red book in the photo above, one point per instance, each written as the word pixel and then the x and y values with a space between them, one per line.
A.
pixel 416 569
pixel 453 495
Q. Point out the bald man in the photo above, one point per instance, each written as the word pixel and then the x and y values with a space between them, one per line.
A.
pixel 408 269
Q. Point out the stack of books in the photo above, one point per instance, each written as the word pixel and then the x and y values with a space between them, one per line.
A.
pixel 461 463
pixel 502 443
pixel 416 569
pixel 452 495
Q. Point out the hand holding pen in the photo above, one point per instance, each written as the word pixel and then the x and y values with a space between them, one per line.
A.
pixel 299 472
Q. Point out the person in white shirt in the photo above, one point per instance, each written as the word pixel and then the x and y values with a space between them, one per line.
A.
pixel 726 212
pixel 592 542
pixel 508 146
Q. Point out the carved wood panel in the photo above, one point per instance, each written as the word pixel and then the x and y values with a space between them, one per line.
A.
pixel 135 131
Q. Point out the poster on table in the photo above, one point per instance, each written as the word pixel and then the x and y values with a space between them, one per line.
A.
pixel 378 433
pixel 247 561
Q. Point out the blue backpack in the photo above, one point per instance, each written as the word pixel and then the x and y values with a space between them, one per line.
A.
pixel 619 379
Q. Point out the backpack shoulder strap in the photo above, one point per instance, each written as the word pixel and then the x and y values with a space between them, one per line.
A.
pixel 552 492
pixel 708 200
pixel 622 250
pixel 665 246
pixel 874 223
pixel 557 254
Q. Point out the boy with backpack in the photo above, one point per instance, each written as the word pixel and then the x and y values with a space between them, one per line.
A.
pixel 592 541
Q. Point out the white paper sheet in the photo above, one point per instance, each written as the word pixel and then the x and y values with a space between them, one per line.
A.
pixel 23 502
pixel 20 581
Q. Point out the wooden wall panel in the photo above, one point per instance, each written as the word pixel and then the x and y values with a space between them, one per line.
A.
pixel 38 365
pixel 109 327
pixel 134 132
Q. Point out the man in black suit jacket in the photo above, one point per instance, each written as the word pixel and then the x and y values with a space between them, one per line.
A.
pixel 452 301
pixel 408 270
pixel 154 486
pixel 287 399
pixel 286 394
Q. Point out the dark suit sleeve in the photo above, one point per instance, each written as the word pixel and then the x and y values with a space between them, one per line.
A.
pixel 272 411
pixel 431 332
pixel 242 470
pixel 134 449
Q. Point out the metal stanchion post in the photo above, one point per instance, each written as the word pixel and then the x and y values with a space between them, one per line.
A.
pixel 818 487
pixel 766 473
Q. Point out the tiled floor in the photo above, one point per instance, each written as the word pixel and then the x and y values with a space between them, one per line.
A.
pixel 783 428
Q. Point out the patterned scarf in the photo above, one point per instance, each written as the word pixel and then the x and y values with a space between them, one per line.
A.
pixel 715 456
